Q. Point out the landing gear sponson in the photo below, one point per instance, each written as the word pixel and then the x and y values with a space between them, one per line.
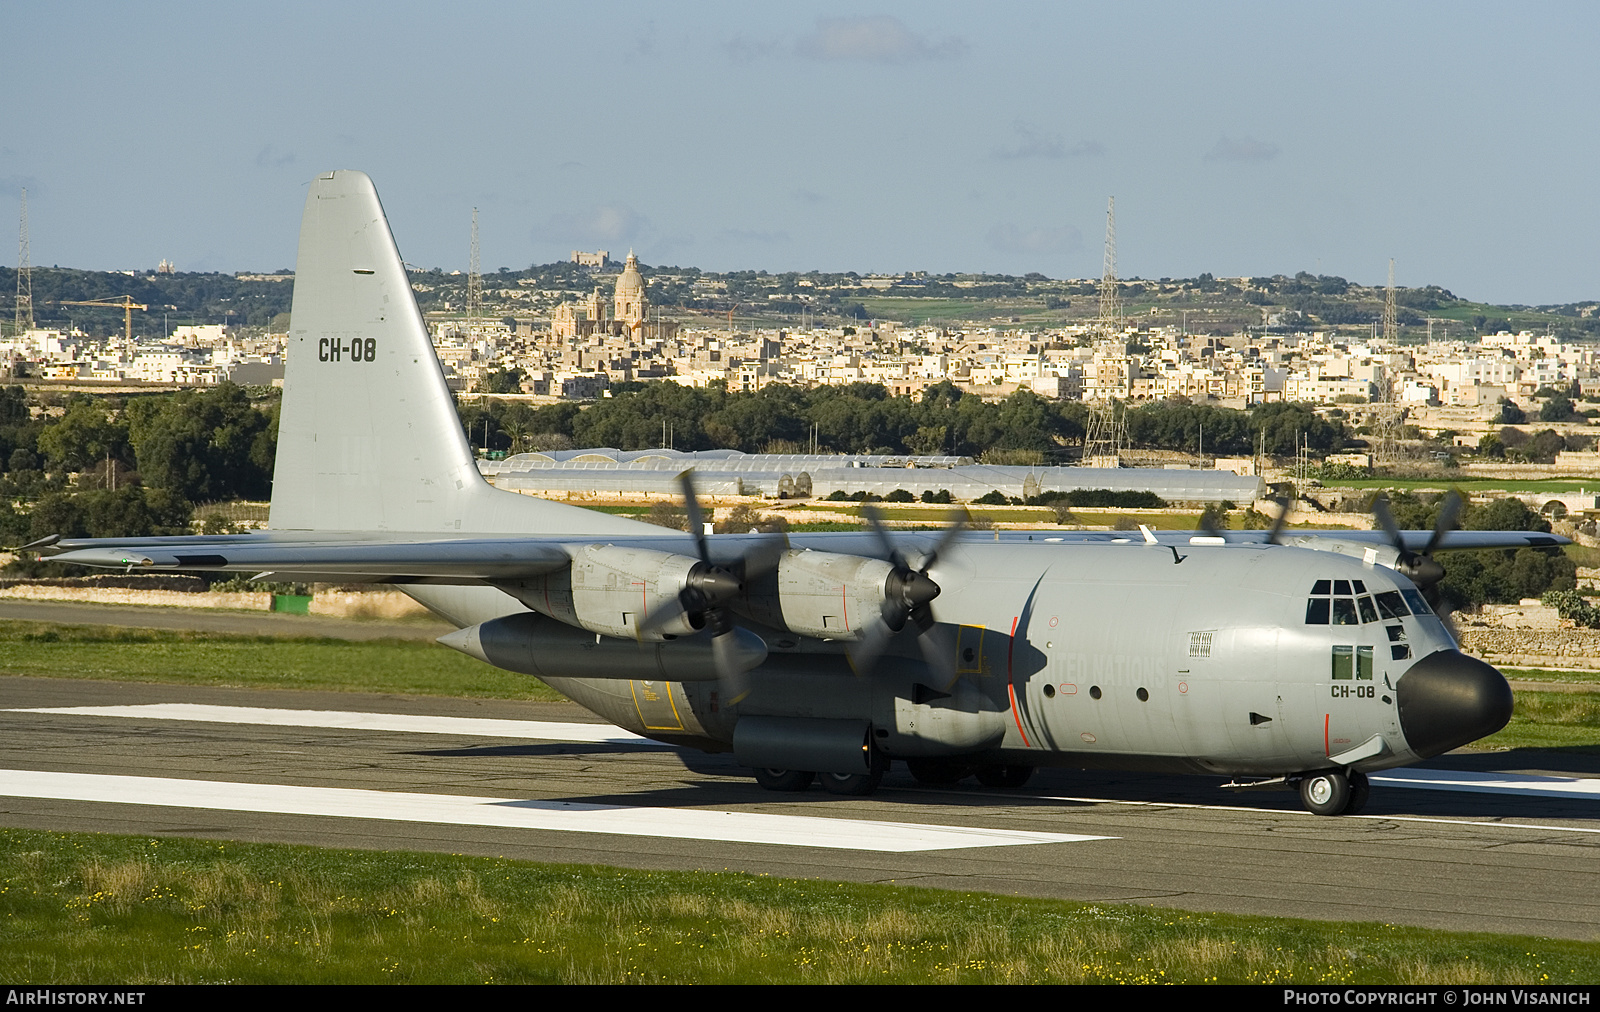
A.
pixel 940 772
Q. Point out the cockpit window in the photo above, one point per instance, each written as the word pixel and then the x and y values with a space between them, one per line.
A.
pixel 1390 604
pixel 1418 603
pixel 1329 605
pixel 1368 612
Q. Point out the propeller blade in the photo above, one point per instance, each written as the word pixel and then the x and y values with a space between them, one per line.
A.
pixel 736 652
pixel 1275 536
pixel 1380 512
pixel 1449 517
pixel 864 655
pixel 885 545
pixel 762 555
pixel 940 655
pixel 697 519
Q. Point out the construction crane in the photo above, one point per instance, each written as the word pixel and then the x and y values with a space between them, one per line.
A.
pixel 128 306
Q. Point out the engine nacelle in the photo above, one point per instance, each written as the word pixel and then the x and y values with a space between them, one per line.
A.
pixel 610 590
pixel 535 645
pixel 821 594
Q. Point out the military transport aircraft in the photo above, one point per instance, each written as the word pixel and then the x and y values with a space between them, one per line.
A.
pixel 1303 661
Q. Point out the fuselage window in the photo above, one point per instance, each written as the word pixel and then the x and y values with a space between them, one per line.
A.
pixel 1352 662
pixel 1343 663
pixel 1322 588
pixel 1341 587
pixel 1344 610
pixel 1317 611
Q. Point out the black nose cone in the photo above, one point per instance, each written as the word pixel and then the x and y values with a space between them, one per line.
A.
pixel 1448 699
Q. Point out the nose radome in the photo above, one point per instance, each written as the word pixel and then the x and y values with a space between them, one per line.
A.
pixel 1448 699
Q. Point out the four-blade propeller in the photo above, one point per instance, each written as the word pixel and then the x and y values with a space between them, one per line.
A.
pixel 705 595
pixel 1421 567
pixel 908 595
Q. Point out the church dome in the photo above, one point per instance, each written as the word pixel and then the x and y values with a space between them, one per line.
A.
pixel 631 283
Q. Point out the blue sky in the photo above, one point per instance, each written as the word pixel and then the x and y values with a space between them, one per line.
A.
pixel 1460 139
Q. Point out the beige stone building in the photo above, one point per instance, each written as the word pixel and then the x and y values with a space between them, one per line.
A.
pixel 625 314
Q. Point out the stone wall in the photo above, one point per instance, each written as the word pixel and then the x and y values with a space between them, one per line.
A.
pixel 374 604
pixel 244 601
pixel 379 604
pixel 1534 648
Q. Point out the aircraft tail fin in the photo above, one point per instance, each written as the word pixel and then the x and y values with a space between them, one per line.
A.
pixel 369 438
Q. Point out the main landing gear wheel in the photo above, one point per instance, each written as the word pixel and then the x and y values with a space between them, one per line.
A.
pixel 851 784
pixel 785 780
pixel 1332 792
pixel 1004 776
pixel 1359 791
pixel 940 772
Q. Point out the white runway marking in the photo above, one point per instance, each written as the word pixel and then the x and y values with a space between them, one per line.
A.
pixel 471 727
pixel 1492 783
pixel 561 816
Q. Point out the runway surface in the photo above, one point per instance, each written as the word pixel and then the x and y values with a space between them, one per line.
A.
pixel 1487 841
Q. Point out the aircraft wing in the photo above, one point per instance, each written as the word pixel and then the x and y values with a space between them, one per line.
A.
pixel 336 556
pixel 321 558
pixel 1416 541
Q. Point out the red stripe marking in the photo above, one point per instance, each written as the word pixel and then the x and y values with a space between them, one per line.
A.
pixel 1011 686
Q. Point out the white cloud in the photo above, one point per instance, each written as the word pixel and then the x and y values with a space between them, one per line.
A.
pixel 269 157
pixel 612 223
pixel 1030 143
pixel 876 38
pixel 1009 238
pixel 1241 149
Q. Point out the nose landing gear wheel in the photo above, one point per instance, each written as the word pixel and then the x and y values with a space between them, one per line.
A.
pixel 1328 792
pixel 784 780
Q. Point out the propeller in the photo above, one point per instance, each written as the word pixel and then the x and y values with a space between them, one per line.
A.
pixel 1275 536
pixel 908 596
pixel 706 591
pixel 1421 567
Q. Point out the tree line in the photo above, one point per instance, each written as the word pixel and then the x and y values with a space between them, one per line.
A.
pixel 865 418
pixel 139 464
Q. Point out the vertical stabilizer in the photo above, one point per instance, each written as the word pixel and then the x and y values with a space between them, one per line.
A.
pixel 369 438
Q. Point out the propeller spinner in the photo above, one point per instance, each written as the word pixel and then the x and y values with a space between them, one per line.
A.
pixel 908 595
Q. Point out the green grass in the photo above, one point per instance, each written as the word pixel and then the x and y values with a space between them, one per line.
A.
pixel 408 667
pixel 85 908
pixel 944 309
pixel 1557 720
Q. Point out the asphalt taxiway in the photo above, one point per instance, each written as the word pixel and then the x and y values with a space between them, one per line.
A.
pixel 1512 846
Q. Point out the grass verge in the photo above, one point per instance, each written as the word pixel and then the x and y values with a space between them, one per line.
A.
pixel 86 908
pixel 1565 720
pixel 410 667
